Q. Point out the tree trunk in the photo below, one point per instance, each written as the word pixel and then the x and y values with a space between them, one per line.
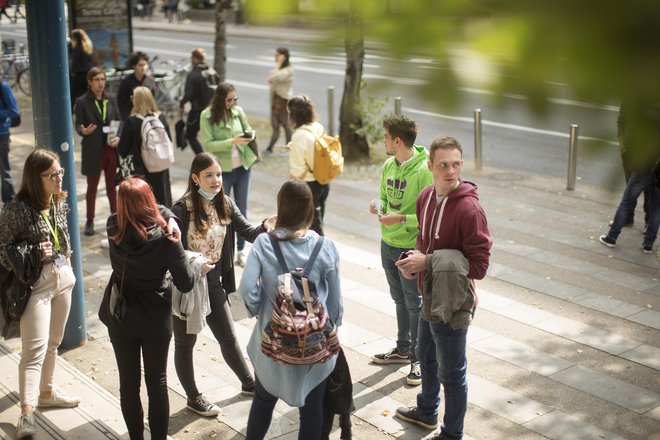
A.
pixel 355 146
pixel 220 52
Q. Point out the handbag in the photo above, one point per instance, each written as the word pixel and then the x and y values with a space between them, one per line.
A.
pixel 124 169
pixel 180 131
pixel 117 301
pixel 253 144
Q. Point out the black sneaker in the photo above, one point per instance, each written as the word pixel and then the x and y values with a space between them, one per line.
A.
pixel 607 241
pixel 415 376
pixel 393 356
pixel 647 249
pixel 89 228
pixel 248 389
pixel 203 407
pixel 410 414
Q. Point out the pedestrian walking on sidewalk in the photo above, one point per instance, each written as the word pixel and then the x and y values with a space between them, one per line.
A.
pixel 640 127
pixel 452 250
pixel 143 248
pixel 302 386
pixel 139 62
pixel 403 176
pixel 8 110
pixel 209 222
pixel 280 80
pixel 4 4
pixel 131 139
pixel 198 93
pixel 301 153
pixel 226 133
pixel 97 121
pixel 38 217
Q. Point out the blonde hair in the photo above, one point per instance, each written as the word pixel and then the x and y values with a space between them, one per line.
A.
pixel 79 36
pixel 143 102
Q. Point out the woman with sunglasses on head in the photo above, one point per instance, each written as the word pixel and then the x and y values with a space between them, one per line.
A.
pixel 226 133
pixel 209 223
pixel 37 216
pixel 130 142
pixel 142 251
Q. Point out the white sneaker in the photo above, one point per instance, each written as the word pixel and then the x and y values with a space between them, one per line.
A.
pixel 105 244
pixel 240 258
pixel 58 400
pixel 25 426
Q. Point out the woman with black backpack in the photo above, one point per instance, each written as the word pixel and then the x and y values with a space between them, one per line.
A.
pixel 302 385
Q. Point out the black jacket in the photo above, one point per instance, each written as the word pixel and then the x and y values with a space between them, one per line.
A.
pixel 197 91
pixel 125 91
pixel 147 291
pixel 238 224
pixel 87 113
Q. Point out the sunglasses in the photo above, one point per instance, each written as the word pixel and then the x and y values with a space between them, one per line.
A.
pixel 232 99
pixel 55 174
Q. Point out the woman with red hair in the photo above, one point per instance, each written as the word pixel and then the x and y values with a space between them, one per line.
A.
pixel 141 252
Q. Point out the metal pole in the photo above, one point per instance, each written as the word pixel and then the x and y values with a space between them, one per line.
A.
pixel 53 129
pixel 478 159
pixel 331 111
pixel 572 157
pixel 397 106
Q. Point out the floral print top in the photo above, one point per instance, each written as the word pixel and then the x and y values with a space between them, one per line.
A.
pixel 208 243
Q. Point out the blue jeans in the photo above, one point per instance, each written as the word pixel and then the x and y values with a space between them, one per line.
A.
pixel 238 181
pixel 441 353
pixel 261 413
pixel 406 297
pixel 5 170
pixel 638 183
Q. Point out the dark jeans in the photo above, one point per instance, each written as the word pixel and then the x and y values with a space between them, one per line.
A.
pixel 441 354
pixel 154 355
pixel 406 298
pixel 221 323
pixel 109 162
pixel 320 195
pixel 279 117
pixel 5 170
pixel 192 128
pixel 627 170
pixel 638 183
pixel 261 413
pixel 238 181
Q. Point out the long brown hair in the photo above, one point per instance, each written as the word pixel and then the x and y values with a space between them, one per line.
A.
pixel 295 208
pixel 32 190
pixel 201 162
pixel 219 111
pixel 136 206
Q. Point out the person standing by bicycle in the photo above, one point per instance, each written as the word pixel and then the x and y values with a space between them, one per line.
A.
pixel 139 62
pixel 94 112
pixel 8 110
pixel 198 93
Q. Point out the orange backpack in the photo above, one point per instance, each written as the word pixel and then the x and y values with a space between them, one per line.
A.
pixel 328 158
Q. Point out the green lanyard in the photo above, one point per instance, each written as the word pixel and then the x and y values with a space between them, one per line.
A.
pixel 54 232
pixel 103 113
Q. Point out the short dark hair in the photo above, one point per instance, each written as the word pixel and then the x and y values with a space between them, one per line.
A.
pixel 91 73
pixel 301 111
pixel 444 143
pixel 295 207
pixel 402 127
pixel 135 58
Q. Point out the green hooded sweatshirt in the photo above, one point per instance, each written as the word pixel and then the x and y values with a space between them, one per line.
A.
pixel 399 187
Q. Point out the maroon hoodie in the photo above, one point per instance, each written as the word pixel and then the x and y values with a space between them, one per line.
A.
pixel 457 222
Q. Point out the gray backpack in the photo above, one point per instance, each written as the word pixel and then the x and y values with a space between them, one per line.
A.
pixel 157 149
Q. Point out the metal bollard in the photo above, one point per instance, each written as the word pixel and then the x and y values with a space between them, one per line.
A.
pixel 572 157
pixel 331 111
pixel 478 159
pixel 397 106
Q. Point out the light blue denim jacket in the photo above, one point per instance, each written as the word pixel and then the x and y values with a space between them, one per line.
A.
pixel 290 383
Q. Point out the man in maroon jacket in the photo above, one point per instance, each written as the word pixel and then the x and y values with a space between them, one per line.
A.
pixel 450 217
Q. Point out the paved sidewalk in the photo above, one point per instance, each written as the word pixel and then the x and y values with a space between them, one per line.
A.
pixel 565 344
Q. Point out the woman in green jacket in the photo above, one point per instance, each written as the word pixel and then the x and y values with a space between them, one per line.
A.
pixel 226 133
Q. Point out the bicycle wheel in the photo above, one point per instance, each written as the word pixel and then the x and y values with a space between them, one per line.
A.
pixel 24 81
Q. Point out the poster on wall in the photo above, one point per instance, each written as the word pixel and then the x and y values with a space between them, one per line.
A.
pixel 108 24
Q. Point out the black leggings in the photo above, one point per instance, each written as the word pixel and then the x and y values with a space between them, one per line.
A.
pixel 319 194
pixel 154 354
pixel 221 323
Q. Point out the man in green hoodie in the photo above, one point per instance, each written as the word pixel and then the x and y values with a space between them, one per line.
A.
pixel 402 178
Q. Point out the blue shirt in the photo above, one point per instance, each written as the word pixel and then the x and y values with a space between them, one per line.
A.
pixel 291 383
pixel 8 108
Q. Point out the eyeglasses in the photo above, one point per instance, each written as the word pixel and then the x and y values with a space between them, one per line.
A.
pixel 232 99
pixel 55 174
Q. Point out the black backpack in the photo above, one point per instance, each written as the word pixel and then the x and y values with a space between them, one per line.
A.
pixel 212 79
